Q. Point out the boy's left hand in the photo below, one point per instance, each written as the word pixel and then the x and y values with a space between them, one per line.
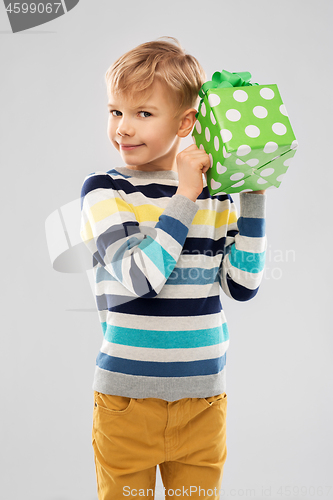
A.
pixel 192 162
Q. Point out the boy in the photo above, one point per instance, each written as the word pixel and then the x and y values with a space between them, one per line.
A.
pixel 162 249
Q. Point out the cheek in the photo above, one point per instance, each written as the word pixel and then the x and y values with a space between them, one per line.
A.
pixel 110 131
pixel 109 127
pixel 161 136
pixel 111 134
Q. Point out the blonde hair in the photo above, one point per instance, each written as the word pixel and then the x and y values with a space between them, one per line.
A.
pixel 134 72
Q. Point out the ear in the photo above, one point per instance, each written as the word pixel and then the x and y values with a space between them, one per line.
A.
pixel 187 122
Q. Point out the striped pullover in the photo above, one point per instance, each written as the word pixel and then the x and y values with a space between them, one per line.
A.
pixel 160 261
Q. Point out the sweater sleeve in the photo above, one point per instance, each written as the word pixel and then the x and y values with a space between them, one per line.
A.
pixel 241 270
pixel 140 257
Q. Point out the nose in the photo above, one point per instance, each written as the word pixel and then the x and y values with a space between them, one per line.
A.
pixel 125 127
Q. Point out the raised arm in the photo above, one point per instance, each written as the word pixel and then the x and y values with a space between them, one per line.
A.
pixel 140 257
pixel 242 267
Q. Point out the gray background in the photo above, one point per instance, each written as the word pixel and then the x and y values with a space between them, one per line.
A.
pixel 53 133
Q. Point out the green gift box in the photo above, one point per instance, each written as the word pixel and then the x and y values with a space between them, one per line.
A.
pixel 245 129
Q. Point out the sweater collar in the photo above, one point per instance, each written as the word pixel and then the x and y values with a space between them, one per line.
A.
pixel 143 174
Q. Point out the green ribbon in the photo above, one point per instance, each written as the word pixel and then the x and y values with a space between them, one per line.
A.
pixel 225 79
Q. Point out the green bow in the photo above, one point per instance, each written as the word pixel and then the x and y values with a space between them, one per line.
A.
pixel 225 79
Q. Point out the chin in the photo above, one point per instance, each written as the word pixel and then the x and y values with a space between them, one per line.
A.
pixel 131 163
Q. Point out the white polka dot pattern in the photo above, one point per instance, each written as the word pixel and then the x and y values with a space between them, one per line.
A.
pixel 252 131
pixel 261 181
pixel 260 111
pixel 226 135
pixel 243 150
pixel 215 184
pixel 253 162
pixel 198 126
pixel 279 128
pixel 283 110
pixel 267 93
pixel 214 100
pixel 247 134
pixel 225 154
pixel 221 169
pixel 233 115
pixel 237 176
pixel 238 184
pixel 240 96
pixel 270 147
pixel 266 172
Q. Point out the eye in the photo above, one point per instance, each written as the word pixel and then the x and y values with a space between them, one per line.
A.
pixel 115 112
pixel 145 114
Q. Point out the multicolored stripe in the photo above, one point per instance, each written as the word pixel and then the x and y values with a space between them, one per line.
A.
pixel 160 261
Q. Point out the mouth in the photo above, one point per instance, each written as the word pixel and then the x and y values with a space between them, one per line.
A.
pixel 129 147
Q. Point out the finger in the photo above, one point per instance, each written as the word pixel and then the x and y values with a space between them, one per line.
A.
pixel 207 162
pixel 193 147
pixel 198 154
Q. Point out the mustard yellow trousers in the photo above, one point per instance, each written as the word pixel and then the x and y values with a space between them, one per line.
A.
pixel 186 438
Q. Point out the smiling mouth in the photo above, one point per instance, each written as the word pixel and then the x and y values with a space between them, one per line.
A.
pixel 128 147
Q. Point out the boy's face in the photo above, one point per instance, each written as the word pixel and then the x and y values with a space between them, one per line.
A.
pixel 145 135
